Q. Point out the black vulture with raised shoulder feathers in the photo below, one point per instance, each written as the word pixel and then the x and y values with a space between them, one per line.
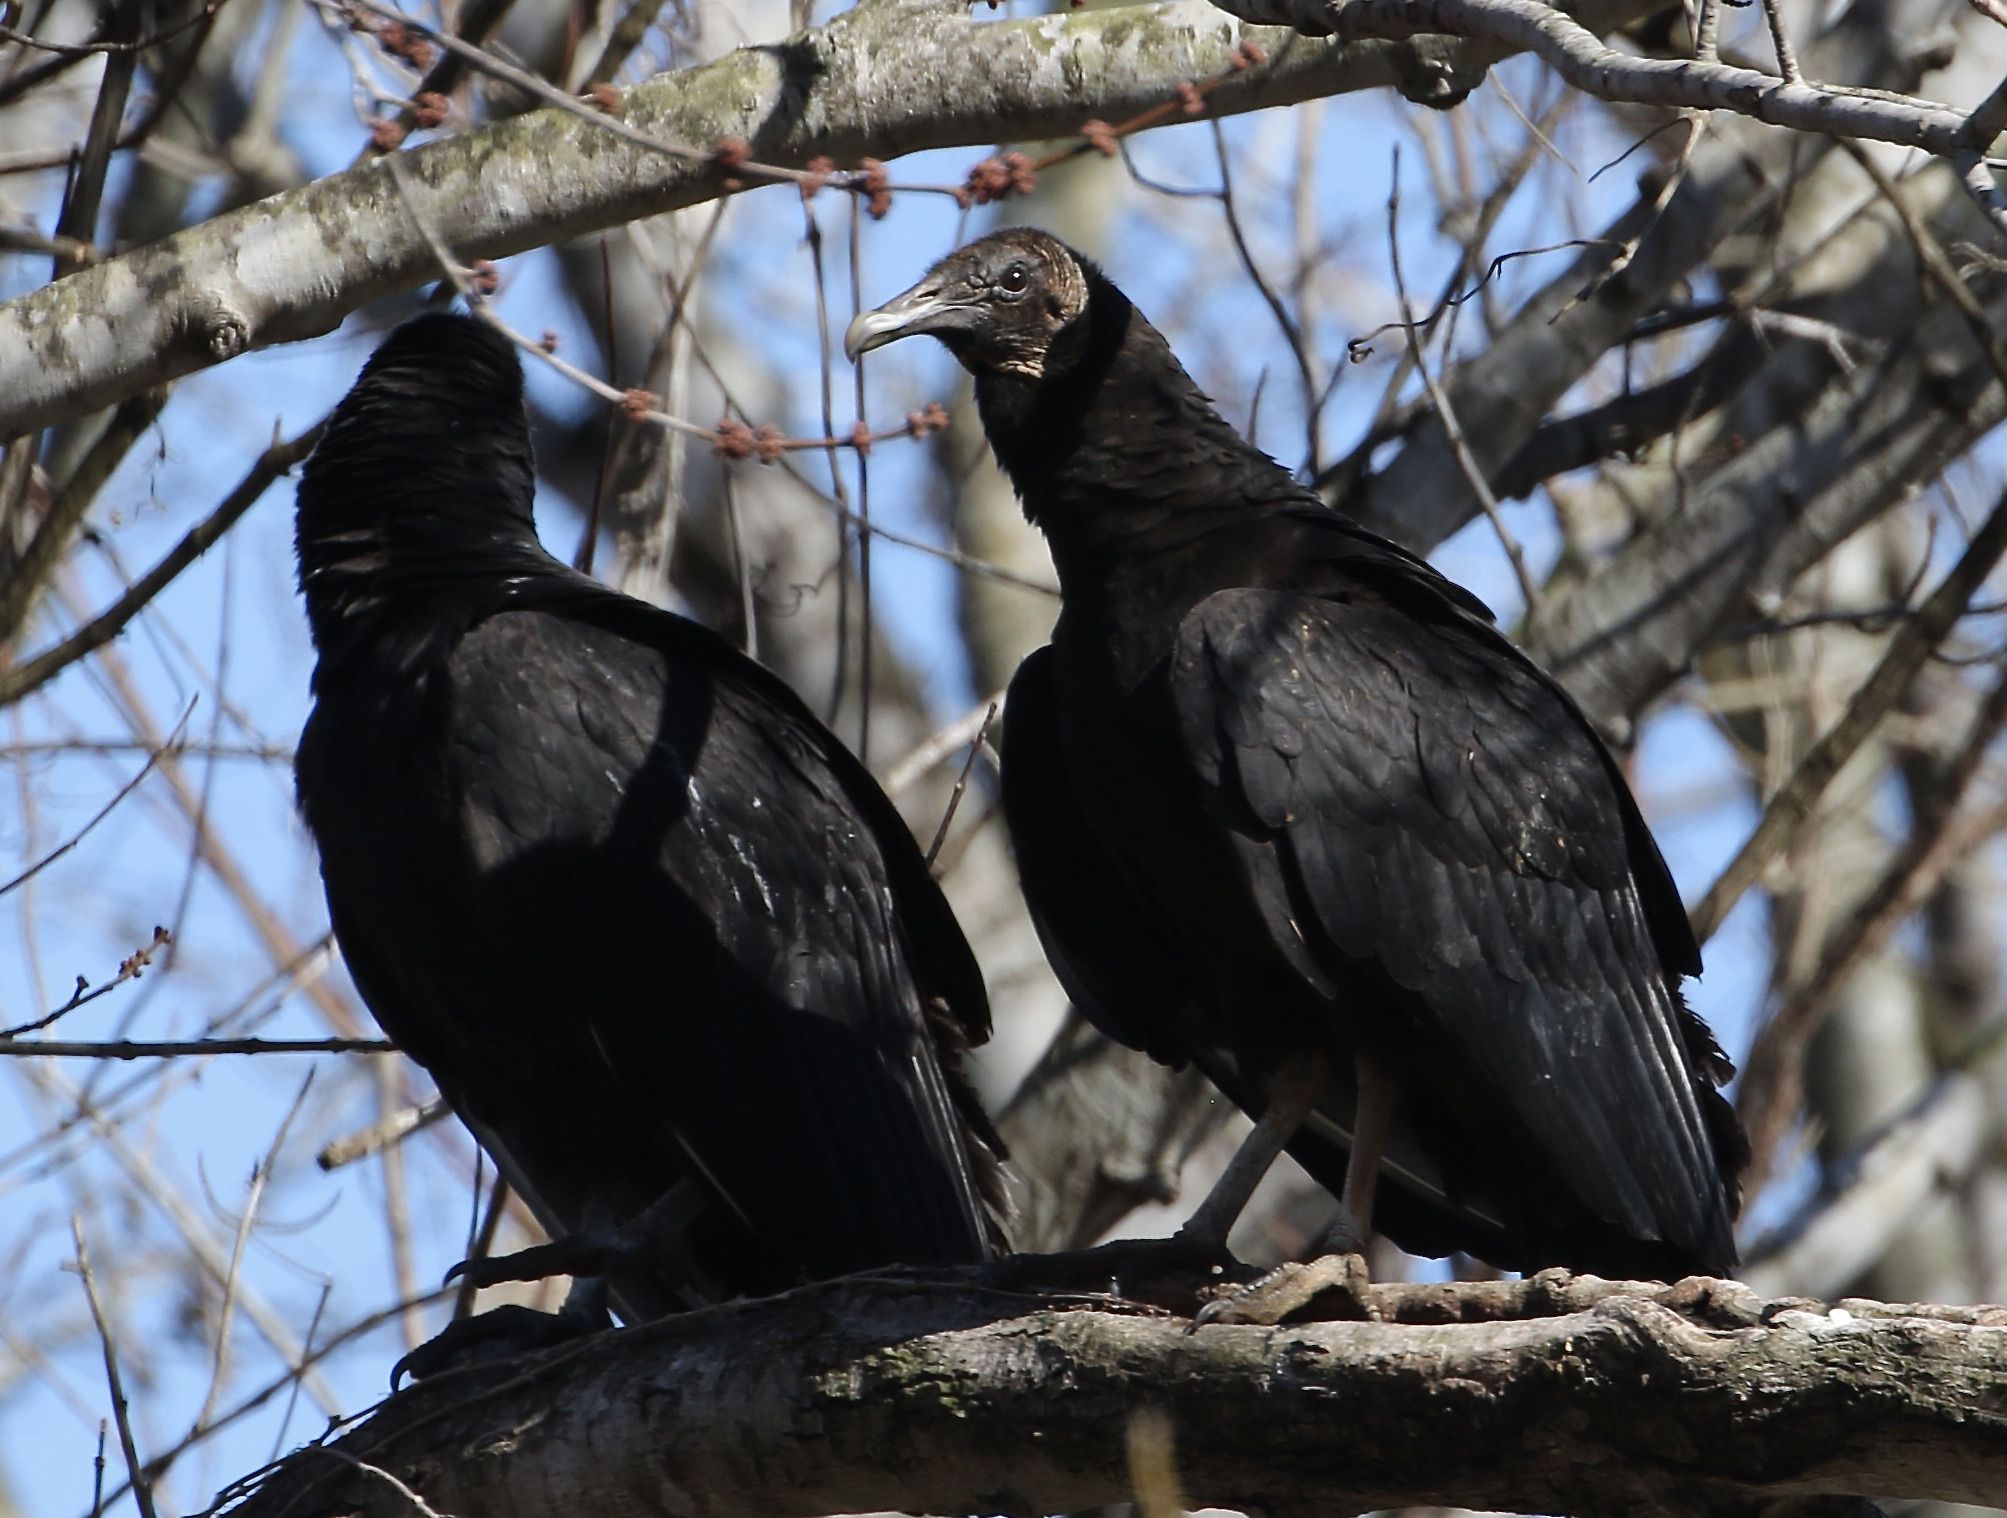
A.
pixel 1287 804
pixel 660 939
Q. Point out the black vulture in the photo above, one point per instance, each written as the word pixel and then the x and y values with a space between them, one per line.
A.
pixel 661 940
pixel 1287 804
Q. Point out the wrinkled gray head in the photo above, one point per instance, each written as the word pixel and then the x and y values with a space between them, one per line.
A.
pixel 998 304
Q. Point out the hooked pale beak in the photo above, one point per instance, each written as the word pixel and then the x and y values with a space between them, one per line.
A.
pixel 921 309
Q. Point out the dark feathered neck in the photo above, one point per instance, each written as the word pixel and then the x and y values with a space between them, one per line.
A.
pixel 1116 452
pixel 406 506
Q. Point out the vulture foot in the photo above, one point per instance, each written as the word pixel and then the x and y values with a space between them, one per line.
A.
pixel 496 1335
pixel 1292 1287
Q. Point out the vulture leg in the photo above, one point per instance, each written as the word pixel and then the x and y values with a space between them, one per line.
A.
pixel 1291 1096
pixel 1341 1267
pixel 1378 1091
pixel 1170 1271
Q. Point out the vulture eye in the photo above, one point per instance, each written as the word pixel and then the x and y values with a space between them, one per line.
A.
pixel 1014 280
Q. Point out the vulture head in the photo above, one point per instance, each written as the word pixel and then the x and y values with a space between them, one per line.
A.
pixel 1008 303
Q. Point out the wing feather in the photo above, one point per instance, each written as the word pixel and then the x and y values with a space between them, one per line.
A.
pixel 1453 825
pixel 670 851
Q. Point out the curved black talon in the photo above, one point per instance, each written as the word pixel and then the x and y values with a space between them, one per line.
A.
pixel 590 1252
pixel 492 1335
pixel 1169 1273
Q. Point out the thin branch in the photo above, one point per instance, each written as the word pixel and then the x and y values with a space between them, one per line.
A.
pixel 1480 487
pixel 292 1378
pixel 961 785
pixel 126 1048
pixel 1907 653
pixel 1787 59
pixel 129 968
pixel 1771 1089
pixel 1936 262
pixel 931 751
pixel 394 1129
pixel 106 810
pixel 1292 334
pixel 261 1173
pixel 482 1245
pixel 142 1488
pixel 623 40
pixel 79 217
pixel 52 534
pixel 44 667
pixel 728 161
pixel 521 182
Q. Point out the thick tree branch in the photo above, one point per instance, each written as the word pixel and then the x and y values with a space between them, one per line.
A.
pixel 882 80
pixel 1582 59
pixel 933 1395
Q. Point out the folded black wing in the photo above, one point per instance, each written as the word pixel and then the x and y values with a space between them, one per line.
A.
pixel 1114 955
pixel 677 857
pixel 1411 798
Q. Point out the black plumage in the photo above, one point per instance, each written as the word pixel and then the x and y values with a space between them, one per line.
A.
pixel 1280 791
pixel 651 928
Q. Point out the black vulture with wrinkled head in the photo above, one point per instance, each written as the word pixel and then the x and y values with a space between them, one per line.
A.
pixel 661 940
pixel 1287 804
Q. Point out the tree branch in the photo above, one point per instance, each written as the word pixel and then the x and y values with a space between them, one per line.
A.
pixel 882 80
pixel 44 667
pixel 927 1393
pixel 1582 59
pixel 1907 653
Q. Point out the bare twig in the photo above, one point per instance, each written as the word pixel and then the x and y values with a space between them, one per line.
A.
pixel 394 1129
pixel 418 1503
pixel 194 1231
pixel 1787 58
pixel 272 463
pixel 396 1205
pixel 1292 333
pixel 79 216
pixel 261 1173
pixel 130 968
pixel 52 535
pixel 1771 1089
pixel 123 791
pixel 1935 261
pixel 142 1488
pixel 1907 653
pixel 961 785
pixel 931 751
pixel 38 1048
pixel 1480 487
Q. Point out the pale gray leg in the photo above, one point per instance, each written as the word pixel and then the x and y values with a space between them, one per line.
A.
pixel 1378 1091
pixel 1291 1096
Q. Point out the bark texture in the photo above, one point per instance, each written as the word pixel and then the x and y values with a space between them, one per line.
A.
pixel 884 79
pixel 934 1395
